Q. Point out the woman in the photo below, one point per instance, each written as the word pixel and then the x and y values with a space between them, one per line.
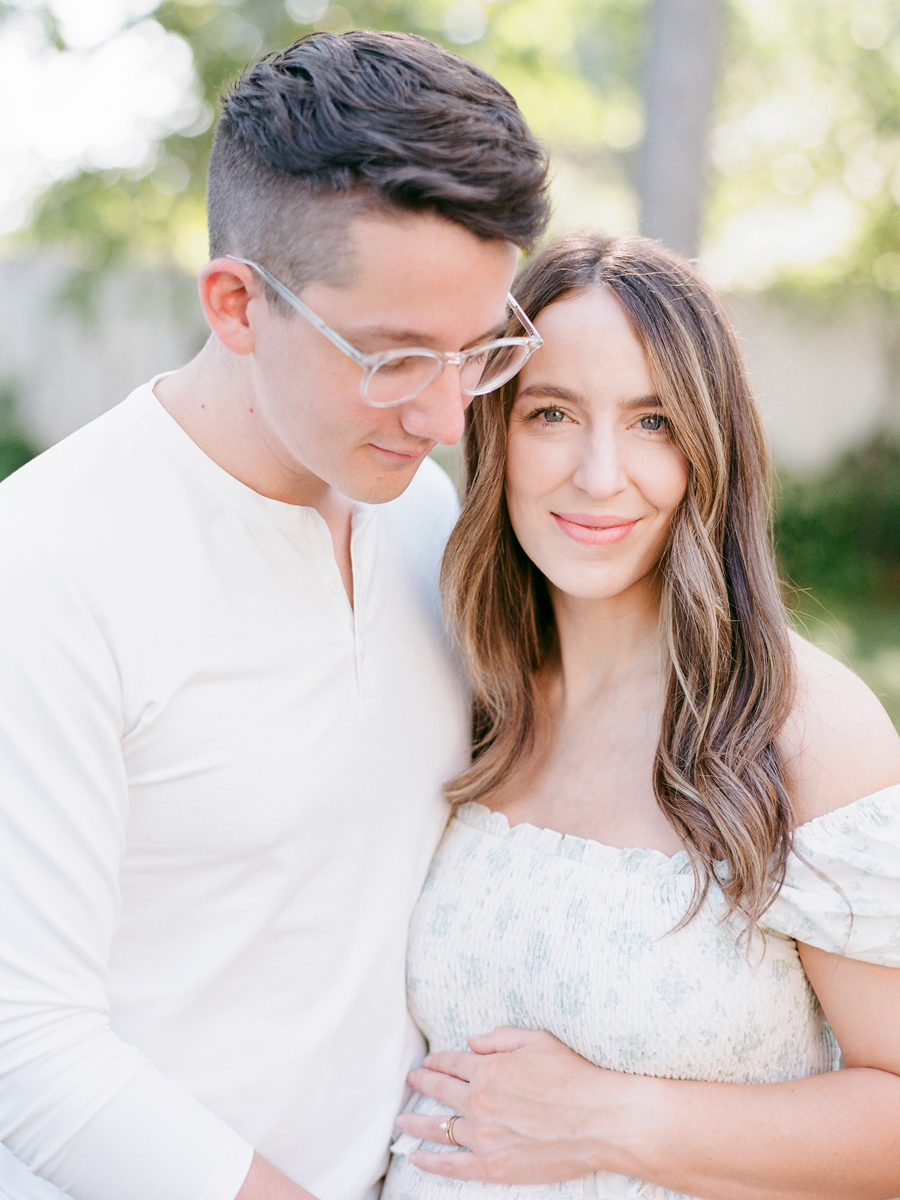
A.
pixel 636 685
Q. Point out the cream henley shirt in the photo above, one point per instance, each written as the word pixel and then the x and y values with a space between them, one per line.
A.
pixel 219 794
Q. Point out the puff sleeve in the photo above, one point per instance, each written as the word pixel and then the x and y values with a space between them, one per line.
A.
pixel 842 888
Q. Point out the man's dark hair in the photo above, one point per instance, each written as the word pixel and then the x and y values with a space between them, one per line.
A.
pixel 339 125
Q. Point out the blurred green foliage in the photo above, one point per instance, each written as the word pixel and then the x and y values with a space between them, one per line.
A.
pixel 15 448
pixel 573 66
pixel 807 118
pixel 806 129
pixel 838 542
pixel 15 451
pixel 838 534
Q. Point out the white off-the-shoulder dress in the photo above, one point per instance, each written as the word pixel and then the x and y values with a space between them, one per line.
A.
pixel 522 926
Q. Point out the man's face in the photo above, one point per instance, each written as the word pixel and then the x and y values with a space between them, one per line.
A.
pixel 417 280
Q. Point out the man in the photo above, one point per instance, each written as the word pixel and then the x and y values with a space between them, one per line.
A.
pixel 227 709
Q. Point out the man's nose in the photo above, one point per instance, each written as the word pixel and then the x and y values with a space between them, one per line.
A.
pixel 438 414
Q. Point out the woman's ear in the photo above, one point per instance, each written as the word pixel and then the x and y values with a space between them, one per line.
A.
pixel 226 289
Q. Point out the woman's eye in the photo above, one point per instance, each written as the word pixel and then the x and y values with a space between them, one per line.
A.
pixel 654 423
pixel 551 415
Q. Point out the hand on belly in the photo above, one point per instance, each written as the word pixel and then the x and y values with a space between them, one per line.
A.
pixel 532 1110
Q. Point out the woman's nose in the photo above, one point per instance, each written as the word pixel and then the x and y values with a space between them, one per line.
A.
pixel 601 468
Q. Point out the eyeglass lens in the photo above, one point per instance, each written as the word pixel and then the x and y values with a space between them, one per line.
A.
pixel 404 377
pixel 496 367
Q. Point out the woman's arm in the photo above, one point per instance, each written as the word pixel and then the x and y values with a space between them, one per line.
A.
pixel 535 1112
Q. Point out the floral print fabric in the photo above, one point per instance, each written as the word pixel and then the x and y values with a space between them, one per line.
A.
pixel 523 926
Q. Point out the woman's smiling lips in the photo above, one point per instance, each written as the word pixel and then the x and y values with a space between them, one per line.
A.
pixel 594 531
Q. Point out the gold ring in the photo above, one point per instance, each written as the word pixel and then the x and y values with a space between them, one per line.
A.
pixel 447 1127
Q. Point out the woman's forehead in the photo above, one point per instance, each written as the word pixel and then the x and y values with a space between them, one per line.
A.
pixel 589 344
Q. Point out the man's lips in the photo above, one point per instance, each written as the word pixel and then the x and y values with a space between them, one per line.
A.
pixel 400 456
pixel 594 531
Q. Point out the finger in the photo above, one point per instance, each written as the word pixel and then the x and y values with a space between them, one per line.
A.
pixel 458 1063
pixel 460 1164
pixel 503 1040
pixel 443 1088
pixel 429 1128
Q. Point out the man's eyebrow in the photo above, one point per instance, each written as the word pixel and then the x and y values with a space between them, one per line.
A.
pixel 415 337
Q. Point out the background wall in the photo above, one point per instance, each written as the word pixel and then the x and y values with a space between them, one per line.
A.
pixel 61 365
pixel 825 380
pixel 760 136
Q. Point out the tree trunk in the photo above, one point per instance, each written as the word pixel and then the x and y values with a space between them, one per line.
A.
pixel 679 85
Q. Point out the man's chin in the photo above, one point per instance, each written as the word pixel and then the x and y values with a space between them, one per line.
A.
pixel 382 486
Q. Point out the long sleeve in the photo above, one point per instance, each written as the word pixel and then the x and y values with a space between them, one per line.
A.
pixel 78 1106
pixel 220 788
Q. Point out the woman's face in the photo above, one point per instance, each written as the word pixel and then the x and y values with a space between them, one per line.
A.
pixel 593 478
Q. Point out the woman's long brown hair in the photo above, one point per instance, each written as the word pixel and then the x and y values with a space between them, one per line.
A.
pixel 718 776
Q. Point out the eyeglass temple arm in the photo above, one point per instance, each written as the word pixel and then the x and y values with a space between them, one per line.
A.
pixel 314 319
pixel 364 360
pixel 524 320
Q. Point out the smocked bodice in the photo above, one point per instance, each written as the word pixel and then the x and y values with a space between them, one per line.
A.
pixel 522 926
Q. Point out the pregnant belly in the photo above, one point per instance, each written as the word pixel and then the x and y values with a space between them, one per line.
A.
pixel 406 1182
pixel 581 941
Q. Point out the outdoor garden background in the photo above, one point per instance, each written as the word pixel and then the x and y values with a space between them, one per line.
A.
pixel 762 136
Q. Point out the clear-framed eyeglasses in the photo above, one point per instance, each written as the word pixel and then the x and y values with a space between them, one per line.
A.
pixel 395 376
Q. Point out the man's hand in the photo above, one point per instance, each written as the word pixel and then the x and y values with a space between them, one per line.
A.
pixel 265 1182
pixel 532 1110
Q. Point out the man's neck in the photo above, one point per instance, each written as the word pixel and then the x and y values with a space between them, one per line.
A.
pixel 209 399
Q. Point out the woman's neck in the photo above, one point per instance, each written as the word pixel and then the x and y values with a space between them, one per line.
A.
pixel 600 702
pixel 604 643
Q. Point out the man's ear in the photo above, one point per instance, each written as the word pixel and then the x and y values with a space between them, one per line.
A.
pixel 226 290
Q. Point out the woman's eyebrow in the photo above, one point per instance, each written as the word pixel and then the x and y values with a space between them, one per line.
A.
pixel 550 391
pixel 640 402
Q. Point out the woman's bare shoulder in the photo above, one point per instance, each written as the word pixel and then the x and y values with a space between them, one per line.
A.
pixel 838 743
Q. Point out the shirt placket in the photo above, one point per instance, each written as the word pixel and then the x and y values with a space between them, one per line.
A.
pixel 354 618
pixel 363 543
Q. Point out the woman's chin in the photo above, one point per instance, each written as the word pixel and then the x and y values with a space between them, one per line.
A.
pixel 589 588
